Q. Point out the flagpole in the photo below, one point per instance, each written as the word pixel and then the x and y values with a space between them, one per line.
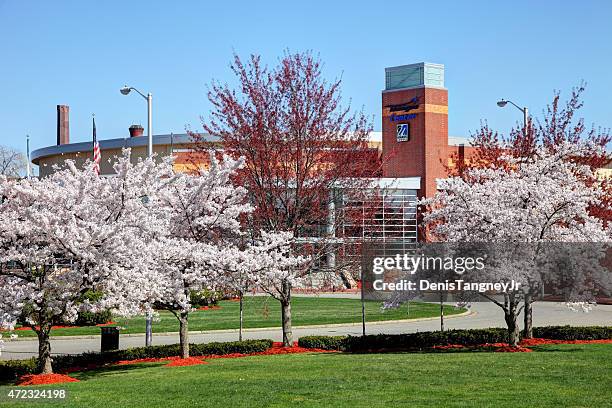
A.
pixel 28 171
pixel 97 155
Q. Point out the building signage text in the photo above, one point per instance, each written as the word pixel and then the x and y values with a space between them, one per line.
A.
pixel 399 118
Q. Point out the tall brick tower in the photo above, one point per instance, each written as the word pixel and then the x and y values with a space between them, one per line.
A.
pixel 415 124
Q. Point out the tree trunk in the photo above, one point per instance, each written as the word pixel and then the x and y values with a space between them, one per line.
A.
pixel 528 318
pixel 513 327
pixel 286 315
pixel 183 318
pixel 241 317
pixel 44 350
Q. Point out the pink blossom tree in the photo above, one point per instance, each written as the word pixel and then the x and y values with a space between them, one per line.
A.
pixel 300 145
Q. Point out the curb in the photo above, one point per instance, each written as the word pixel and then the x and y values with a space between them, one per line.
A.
pixel 259 329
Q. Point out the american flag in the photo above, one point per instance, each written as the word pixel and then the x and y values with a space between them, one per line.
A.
pixel 97 156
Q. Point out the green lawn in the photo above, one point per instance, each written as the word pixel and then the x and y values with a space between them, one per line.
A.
pixel 553 376
pixel 260 311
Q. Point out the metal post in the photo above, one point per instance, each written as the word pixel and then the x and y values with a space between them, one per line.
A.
pixel 441 311
pixel 525 119
pixel 331 231
pixel 149 324
pixel 28 173
pixel 150 124
pixel 149 331
pixel 363 326
pixel 241 316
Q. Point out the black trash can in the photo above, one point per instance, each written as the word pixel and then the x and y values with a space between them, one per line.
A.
pixel 109 339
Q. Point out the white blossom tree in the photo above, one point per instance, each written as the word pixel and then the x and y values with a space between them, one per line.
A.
pixel 532 200
pixel 278 269
pixel 263 263
pixel 69 233
pixel 146 237
pixel 238 279
pixel 203 245
pixel 202 213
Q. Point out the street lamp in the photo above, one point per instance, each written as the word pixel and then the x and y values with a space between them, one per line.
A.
pixel 525 111
pixel 126 90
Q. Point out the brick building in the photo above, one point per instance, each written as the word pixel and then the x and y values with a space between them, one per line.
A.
pixel 414 143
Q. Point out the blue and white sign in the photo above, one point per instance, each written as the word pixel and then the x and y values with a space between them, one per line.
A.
pixel 397 118
pixel 403 132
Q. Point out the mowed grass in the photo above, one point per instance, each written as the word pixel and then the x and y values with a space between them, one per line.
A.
pixel 553 376
pixel 263 311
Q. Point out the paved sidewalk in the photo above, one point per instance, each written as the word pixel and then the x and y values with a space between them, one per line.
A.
pixel 483 315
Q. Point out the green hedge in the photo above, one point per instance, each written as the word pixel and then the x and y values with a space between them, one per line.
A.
pixel 410 341
pixel 92 319
pixel 323 342
pixel 422 340
pixel 417 341
pixel 13 369
pixel 10 370
pixel 573 333
pixel 170 350
pixel 205 297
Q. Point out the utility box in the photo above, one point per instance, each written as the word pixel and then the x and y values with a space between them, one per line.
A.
pixel 109 339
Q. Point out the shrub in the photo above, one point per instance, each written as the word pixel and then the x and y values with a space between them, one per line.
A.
pixel 423 340
pixel 323 342
pixel 170 350
pixel 92 319
pixel 13 369
pixel 244 347
pixel 417 341
pixel 573 333
pixel 10 370
pixel 205 297
pixel 85 318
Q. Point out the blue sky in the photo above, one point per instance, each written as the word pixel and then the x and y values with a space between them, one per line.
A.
pixel 80 53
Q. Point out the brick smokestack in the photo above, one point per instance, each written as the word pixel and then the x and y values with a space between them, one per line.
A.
pixel 136 130
pixel 63 125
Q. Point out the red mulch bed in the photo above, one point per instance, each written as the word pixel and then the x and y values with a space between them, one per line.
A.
pixel 40 379
pixel 277 348
pixel 183 362
pixel 505 348
pixel 209 308
pixel 537 342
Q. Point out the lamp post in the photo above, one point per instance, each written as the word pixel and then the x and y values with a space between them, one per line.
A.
pixel 525 111
pixel 149 98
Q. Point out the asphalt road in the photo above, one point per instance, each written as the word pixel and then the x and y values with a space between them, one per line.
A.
pixel 482 315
